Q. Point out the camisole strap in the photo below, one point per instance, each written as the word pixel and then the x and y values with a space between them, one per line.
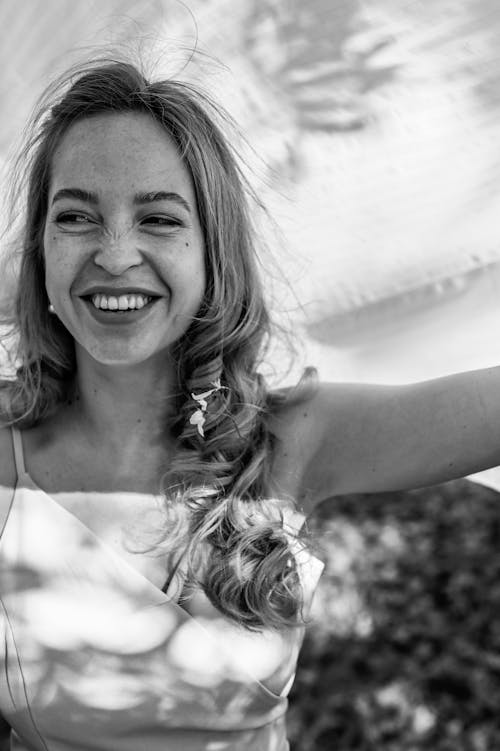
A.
pixel 5 506
pixel 4 513
pixel 17 442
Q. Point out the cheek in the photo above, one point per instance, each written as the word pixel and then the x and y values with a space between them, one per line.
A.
pixel 201 278
pixel 191 275
pixel 59 273
pixel 201 286
pixel 202 269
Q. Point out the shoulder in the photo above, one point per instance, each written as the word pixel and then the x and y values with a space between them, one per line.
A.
pixel 8 475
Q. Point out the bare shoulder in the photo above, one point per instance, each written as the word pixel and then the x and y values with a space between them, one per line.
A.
pixel 8 476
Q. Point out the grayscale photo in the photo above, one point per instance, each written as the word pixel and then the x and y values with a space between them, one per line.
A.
pixel 249 375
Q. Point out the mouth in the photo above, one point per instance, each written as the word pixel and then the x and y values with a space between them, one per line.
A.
pixel 104 315
pixel 150 299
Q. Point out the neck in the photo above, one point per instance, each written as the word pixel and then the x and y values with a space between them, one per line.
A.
pixel 127 409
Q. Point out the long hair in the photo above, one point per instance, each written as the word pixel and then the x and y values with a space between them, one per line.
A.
pixel 216 487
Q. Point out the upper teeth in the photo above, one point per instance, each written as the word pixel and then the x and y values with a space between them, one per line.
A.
pixel 124 302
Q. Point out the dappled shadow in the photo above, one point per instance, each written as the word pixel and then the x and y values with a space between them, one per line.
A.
pixel 94 650
pixel 405 650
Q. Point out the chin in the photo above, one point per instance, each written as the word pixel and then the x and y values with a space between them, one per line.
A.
pixel 130 357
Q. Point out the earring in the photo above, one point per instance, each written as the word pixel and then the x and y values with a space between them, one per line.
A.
pixel 51 308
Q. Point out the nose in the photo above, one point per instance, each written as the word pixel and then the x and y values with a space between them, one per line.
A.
pixel 117 253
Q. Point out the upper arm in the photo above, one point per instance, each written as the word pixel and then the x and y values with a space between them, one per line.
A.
pixel 362 438
pixel 331 444
pixel 366 438
pixel 8 477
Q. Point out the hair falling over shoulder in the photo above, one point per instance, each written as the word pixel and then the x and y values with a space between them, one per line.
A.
pixel 216 487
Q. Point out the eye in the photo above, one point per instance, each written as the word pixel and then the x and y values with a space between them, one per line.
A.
pixel 162 221
pixel 71 217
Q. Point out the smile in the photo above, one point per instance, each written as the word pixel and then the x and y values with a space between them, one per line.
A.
pixel 135 301
pixel 119 315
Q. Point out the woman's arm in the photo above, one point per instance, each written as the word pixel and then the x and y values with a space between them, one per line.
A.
pixel 356 438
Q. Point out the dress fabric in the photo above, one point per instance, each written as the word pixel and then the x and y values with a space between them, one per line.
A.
pixel 94 656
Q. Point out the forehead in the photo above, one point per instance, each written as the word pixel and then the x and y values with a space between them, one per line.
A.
pixel 131 148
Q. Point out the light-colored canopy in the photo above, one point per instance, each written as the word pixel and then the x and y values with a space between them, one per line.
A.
pixel 374 125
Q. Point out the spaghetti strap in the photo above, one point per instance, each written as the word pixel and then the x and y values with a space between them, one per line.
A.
pixel 5 501
pixel 4 513
pixel 17 442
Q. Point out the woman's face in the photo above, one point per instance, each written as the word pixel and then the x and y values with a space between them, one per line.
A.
pixel 122 227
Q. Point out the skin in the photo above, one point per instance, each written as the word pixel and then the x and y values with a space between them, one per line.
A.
pixel 349 438
pixel 102 454
pixel 158 246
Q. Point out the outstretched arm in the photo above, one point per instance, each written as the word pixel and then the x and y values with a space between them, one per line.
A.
pixel 357 438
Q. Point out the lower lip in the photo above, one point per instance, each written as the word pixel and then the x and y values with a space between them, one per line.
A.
pixel 119 317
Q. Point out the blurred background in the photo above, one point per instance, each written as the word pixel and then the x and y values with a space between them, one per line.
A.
pixel 370 129
pixel 376 149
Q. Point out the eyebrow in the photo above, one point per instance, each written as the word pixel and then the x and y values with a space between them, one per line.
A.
pixel 139 199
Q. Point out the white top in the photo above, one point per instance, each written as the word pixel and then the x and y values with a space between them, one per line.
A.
pixel 94 656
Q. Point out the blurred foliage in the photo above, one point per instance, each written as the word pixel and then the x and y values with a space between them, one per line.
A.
pixel 404 653
pixel 325 55
pixel 326 59
pixel 308 50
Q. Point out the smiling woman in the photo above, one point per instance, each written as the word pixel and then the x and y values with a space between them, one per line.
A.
pixel 154 579
pixel 144 461
pixel 117 234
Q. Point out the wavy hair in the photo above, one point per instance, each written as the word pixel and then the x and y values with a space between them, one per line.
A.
pixel 215 489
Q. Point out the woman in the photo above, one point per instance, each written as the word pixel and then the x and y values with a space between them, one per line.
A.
pixel 154 587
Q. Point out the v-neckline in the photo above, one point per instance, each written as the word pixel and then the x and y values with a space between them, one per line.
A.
pixel 120 560
pixel 109 549
pixel 24 474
